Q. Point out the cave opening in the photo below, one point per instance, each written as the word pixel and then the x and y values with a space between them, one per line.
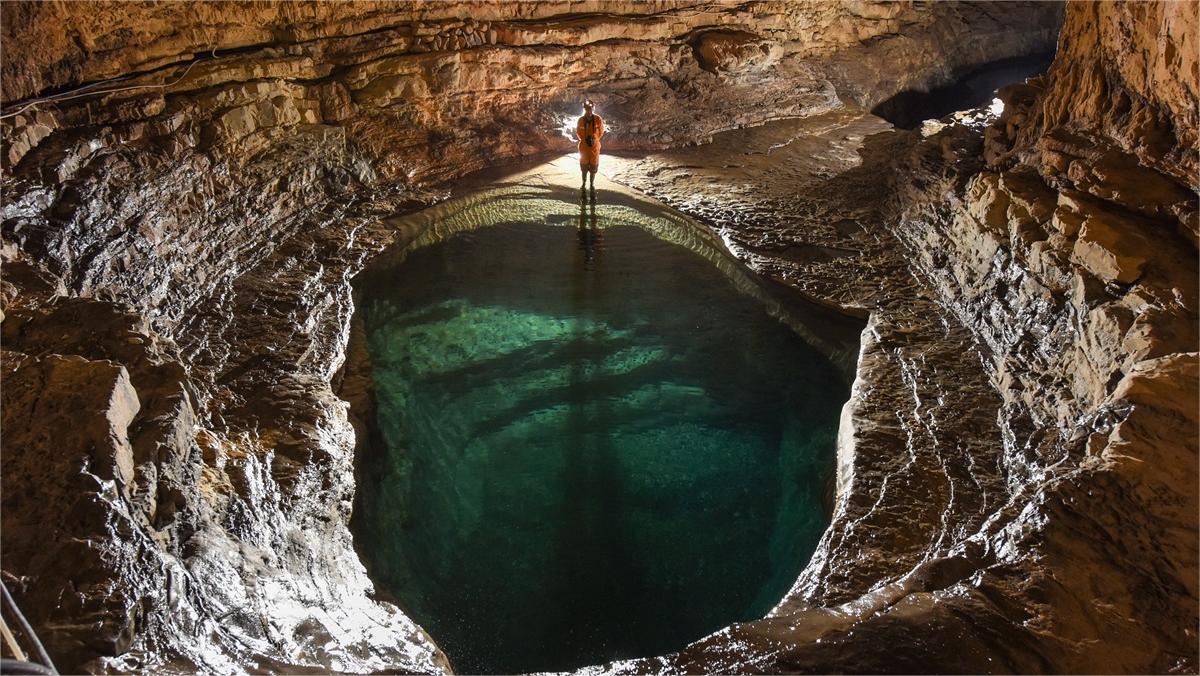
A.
pixel 909 108
pixel 591 439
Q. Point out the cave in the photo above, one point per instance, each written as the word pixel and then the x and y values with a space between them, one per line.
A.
pixel 909 108
pixel 872 347
pixel 584 409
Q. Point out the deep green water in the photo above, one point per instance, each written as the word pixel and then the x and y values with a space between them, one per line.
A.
pixel 587 446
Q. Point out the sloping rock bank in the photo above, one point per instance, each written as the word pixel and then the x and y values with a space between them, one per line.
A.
pixel 177 247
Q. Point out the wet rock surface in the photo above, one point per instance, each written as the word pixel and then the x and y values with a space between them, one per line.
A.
pixel 1018 453
pixel 1036 447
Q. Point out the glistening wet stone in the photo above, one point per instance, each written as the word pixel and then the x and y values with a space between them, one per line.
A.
pixel 587 445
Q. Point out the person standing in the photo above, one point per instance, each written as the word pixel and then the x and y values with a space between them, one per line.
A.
pixel 589 129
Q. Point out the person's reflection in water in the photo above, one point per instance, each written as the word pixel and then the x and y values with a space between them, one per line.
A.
pixel 591 241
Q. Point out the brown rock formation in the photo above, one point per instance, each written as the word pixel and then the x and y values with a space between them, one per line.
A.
pixel 1065 510
pixel 177 248
pixel 1131 73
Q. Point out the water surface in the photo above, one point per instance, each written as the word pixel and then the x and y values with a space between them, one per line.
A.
pixel 588 444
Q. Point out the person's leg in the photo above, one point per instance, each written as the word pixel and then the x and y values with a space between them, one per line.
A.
pixel 583 172
pixel 592 172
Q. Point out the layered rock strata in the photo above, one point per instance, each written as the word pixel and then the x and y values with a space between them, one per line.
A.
pixel 990 483
pixel 178 469
pixel 194 223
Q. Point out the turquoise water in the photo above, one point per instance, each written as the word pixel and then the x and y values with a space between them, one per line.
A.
pixel 587 446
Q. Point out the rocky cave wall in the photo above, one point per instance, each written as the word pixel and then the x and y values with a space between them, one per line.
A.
pixel 177 245
pixel 1072 255
pixel 309 100
pixel 1043 517
pixel 176 296
pixel 1035 511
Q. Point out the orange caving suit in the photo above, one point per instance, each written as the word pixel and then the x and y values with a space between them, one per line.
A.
pixel 589 156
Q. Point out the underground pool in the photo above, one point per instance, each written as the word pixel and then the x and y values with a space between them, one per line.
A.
pixel 593 435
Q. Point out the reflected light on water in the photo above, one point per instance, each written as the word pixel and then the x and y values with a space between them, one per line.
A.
pixel 978 118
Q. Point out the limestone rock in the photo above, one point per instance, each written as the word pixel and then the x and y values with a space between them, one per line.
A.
pixel 1111 248
pixel 1129 71
pixel 68 471
pixel 722 51
pixel 1019 407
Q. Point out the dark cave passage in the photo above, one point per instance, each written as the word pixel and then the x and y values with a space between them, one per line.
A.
pixel 909 108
